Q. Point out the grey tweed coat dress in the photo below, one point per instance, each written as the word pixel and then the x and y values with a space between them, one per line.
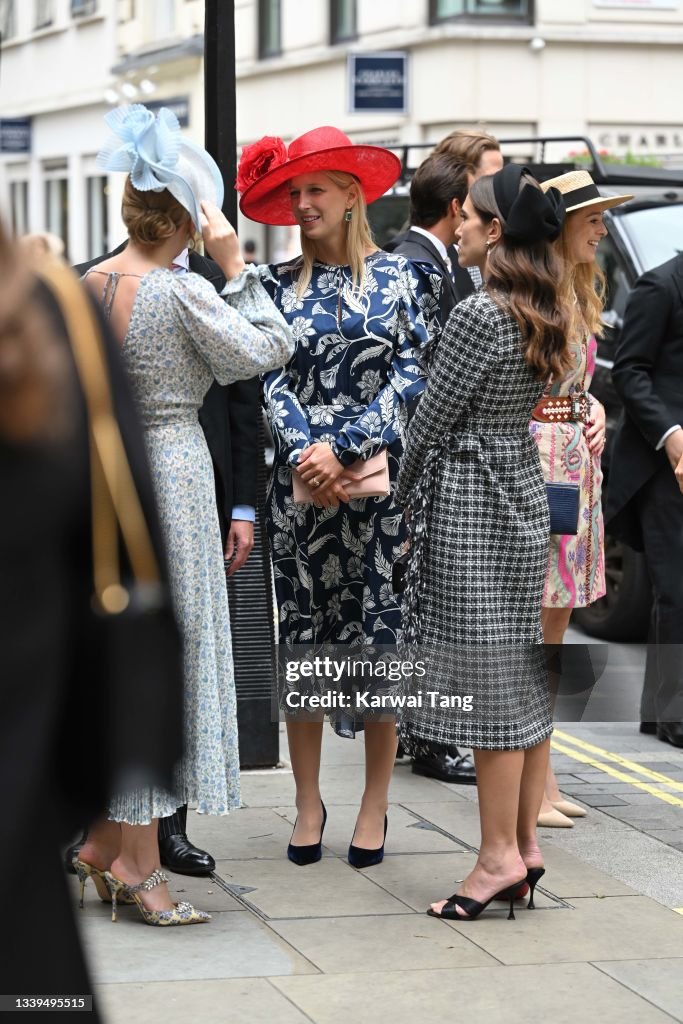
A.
pixel 472 479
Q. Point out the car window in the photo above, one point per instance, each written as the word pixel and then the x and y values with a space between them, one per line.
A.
pixel 656 233
pixel 616 277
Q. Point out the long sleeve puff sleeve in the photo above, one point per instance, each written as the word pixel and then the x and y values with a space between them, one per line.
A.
pixel 240 333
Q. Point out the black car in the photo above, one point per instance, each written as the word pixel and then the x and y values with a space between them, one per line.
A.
pixel 642 233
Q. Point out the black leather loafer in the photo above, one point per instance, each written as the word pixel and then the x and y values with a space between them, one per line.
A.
pixel 179 855
pixel 671 732
pixel 447 768
pixel 649 728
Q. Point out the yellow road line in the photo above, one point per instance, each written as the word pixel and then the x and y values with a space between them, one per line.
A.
pixel 624 762
pixel 677 910
pixel 616 774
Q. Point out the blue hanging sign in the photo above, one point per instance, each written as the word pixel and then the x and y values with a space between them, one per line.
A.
pixel 15 135
pixel 378 83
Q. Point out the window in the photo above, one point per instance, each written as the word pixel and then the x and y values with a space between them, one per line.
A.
pixel 496 10
pixel 82 8
pixel 18 199
pixel 269 28
pixel 343 21
pixel 163 12
pixel 7 25
pixel 98 223
pixel 45 13
pixel 57 208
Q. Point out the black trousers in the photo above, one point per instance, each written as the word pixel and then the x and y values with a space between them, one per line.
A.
pixel 660 507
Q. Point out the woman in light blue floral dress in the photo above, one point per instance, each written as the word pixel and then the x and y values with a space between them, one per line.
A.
pixel 177 337
pixel 361 319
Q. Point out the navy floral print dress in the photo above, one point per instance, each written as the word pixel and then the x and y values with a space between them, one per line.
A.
pixel 356 370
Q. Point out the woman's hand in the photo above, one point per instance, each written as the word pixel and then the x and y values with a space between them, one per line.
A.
pixel 679 474
pixel 595 428
pixel 220 240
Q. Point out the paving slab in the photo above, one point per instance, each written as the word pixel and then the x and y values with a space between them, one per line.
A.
pixel 591 931
pixel 285 890
pixel 563 994
pixel 345 945
pixel 406 833
pixel 258 832
pixel 419 880
pixel 229 946
pixel 658 981
pixel 638 860
pixel 203 893
pixel 239 1001
pixel 339 785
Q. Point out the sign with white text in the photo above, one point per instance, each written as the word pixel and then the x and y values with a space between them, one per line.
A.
pixel 378 83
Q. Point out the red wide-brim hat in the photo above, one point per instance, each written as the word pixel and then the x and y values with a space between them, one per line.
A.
pixel 267 166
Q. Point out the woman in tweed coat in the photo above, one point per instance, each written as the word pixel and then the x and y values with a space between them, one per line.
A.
pixel 472 479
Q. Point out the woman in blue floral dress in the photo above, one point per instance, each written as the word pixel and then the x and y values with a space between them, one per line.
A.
pixel 360 319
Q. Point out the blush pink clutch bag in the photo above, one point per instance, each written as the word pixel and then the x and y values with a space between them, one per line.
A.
pixel 374 482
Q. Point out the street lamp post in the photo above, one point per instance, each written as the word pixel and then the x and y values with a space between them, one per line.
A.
pixel 250 590
pixel 220 111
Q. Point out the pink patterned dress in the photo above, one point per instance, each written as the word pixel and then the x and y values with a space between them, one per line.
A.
pixel 575 576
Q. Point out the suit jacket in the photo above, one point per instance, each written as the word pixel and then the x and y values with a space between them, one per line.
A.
pixel 417 246
pixel 648 376
pixel 229 417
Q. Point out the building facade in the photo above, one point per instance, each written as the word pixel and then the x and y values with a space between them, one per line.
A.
pixel 609 69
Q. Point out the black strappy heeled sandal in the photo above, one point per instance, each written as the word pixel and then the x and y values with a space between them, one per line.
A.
pixel 473 908
pixel 532 877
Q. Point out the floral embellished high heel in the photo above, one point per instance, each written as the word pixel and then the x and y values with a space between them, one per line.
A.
pixel 182 913
pixel 86 871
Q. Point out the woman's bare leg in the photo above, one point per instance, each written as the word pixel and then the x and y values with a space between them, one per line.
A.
pixel 305 744
pixel 103 844
pixel 138 858
pixel 381 743
pixel 554 622
pixel 530 797
pixel 499 864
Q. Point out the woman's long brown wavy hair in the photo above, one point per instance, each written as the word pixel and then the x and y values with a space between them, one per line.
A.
pixel 525 279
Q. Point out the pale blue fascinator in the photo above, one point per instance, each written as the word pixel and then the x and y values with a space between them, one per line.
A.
pixel 157 157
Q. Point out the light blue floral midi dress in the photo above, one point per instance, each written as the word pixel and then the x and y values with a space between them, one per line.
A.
pixel 181 336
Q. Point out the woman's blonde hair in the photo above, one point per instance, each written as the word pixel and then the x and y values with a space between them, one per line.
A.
pixel 358 237
pixel 582 289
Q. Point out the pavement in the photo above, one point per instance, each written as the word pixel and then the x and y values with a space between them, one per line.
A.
pixel 328 944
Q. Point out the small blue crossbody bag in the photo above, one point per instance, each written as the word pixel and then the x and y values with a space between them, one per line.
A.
pixel 563 504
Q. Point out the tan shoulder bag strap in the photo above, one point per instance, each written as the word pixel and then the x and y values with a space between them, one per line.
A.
pixel 115 498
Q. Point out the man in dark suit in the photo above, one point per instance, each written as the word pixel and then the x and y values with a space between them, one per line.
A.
pixel 645 503
pixel 229 418
pixel 437 192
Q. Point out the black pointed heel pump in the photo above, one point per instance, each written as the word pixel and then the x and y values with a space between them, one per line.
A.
pixel 473 908
pixel 360 858
pixel 312 853
pixel 532 877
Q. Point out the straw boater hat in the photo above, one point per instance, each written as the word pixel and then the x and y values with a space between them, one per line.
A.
pixel 580 191
pixel 267 166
